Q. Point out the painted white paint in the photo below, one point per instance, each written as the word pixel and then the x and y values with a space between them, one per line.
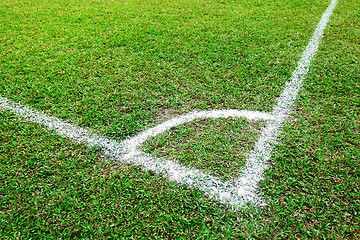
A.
pixel 258 158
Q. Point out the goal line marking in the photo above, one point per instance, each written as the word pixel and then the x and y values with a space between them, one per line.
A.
pixel 234 193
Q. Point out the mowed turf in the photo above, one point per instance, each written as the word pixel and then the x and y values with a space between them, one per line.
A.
pixel 117 66
pixel 121 67
pixel 55 188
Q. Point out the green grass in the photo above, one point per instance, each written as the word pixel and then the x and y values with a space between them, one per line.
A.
pixel 117 66
pixel 52 60
pixel 218 146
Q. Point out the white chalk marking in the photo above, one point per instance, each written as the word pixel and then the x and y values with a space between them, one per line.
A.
pixel 127 151
pixel 61 127
pixel 235 193
pixel 225 196
pixel 257 161
pixel 241 191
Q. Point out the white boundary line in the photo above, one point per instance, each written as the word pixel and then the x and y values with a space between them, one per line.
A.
pixel 257 161
pixel 127 151
pixel 235 193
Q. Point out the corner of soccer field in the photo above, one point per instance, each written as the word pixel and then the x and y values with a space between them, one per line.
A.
pixel 137 119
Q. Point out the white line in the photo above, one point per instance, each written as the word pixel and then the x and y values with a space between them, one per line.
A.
pixel 257 161
pixel 61 127
pixel 127 151
pixel 235 193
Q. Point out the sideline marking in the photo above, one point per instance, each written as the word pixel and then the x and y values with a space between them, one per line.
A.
pixel 235 193
pixel 257 160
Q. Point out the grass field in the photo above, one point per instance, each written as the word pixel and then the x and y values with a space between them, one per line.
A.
pixel 120 67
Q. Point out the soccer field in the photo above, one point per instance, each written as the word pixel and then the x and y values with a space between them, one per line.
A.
pixel 120 70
